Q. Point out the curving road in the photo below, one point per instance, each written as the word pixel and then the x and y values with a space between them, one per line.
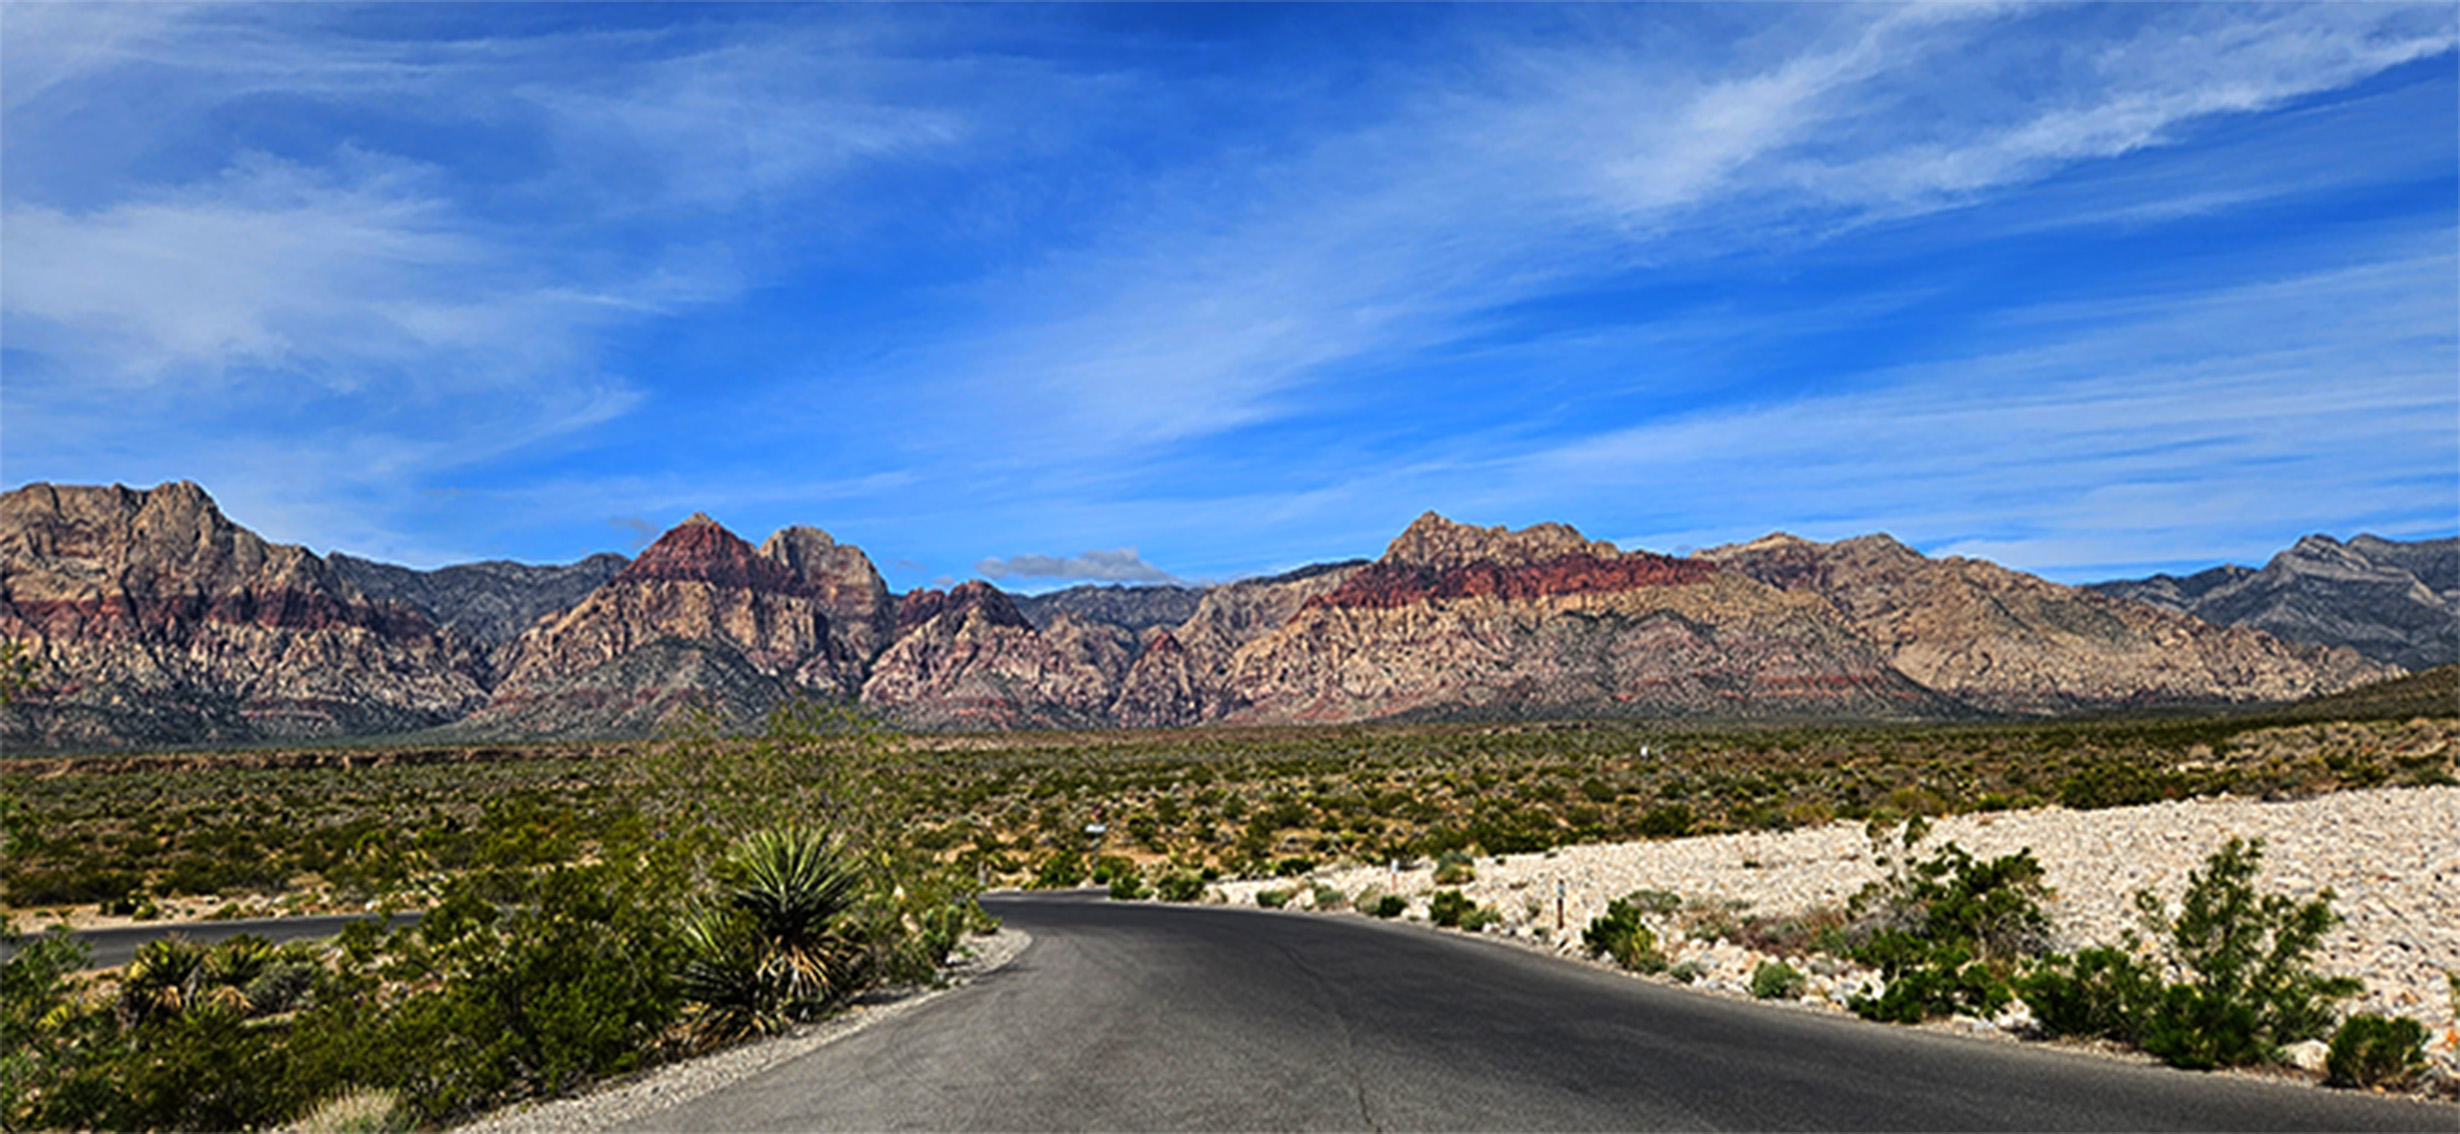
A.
pixel 115 947
pixel 1151 1017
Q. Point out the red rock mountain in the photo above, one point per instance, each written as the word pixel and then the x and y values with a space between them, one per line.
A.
pixel 1457 621
pixel 965 658
pixel 752 625
pixel 2010 642
pixel 158 621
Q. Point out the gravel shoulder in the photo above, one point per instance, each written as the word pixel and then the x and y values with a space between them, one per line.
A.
pixel 620 1101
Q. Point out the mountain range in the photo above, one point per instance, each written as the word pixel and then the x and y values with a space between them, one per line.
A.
pixel 157 621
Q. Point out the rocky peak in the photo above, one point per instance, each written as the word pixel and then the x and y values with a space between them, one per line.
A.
pixel 974 596
pixel 862 614
pixel 700 550
pixel 1438 559
pixel 1432 541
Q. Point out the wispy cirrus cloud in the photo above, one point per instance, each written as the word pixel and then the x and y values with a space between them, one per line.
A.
pixel 1547 166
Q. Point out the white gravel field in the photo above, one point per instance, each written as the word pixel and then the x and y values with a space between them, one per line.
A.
pixel 2391 857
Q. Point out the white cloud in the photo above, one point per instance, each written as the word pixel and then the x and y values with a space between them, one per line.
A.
pixel 1240 289
pixel 1121 566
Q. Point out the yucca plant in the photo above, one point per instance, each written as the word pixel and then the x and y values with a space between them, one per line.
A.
pixel 161 981
pixel 773 948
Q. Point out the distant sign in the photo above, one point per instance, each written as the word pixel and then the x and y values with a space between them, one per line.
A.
pixel 1095 829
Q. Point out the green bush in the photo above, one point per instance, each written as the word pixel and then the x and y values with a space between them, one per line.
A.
pixel 1127 887
pixel 1388 906
pixel 1667 821
pixel 2250 986
pixel 1273 899
pixel 2371 1051
pixel 1453 868
pixel 1945 932
pixel 1776 980
pixel 1453 909
pixel 1618 933
pixel 1688 972
pixel 1293 867
pixel 2103 992
pixel 1181 886
pixel 1062 871
pixel 1329 897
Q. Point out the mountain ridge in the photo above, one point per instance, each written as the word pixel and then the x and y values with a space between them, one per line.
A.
pixel 1452 621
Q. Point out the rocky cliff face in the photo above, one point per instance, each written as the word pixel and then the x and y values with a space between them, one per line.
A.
pixel 1462 622
pixel 966 659
pixel 488 603
pixel 1181 675
pixel 2012 642
pixel 158 621
pixel 735 626
pixel 2394 602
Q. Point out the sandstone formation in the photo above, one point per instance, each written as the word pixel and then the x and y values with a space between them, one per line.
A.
pixel 965 658
pixel 1181 677
pixel 158 621
pixel 2011 642
pixel 1456 621
pixel 736 627
pixel 2395 602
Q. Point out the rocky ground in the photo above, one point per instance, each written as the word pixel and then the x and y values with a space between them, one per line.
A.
pixel 2390 857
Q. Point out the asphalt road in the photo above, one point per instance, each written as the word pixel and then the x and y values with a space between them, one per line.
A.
pixel 1150 1017
pixel 114 947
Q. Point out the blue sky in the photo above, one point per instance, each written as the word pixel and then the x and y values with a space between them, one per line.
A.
pixel 1121 292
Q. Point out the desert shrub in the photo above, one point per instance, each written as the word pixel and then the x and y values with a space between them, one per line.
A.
pixel 1127 887
pixel 41 1030
pixel 1062 871
pixel 1454 868
pixel 1453 909
pixel 1293 866
pixel 1273 899
pixel 1388 906
pixel 1776 980
pixel 1329 897
pixel 1618 933
pixel 1181 886
pixel 1667 821
pixel 1110 868
pixel 359 1110
pixel 1688 972
pixel 576 982
pixel 2102 992
pixel 2250 986
pixel 1945 932
pixel 2370 1051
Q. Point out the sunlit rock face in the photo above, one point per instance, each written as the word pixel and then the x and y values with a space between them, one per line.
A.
pixel 157 621
pixel 2010 642
pixel 1463 622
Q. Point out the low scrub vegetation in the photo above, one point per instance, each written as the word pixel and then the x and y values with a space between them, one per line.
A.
pixel 742 887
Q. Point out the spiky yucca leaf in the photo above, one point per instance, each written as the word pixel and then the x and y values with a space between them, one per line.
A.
pixel 795 882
